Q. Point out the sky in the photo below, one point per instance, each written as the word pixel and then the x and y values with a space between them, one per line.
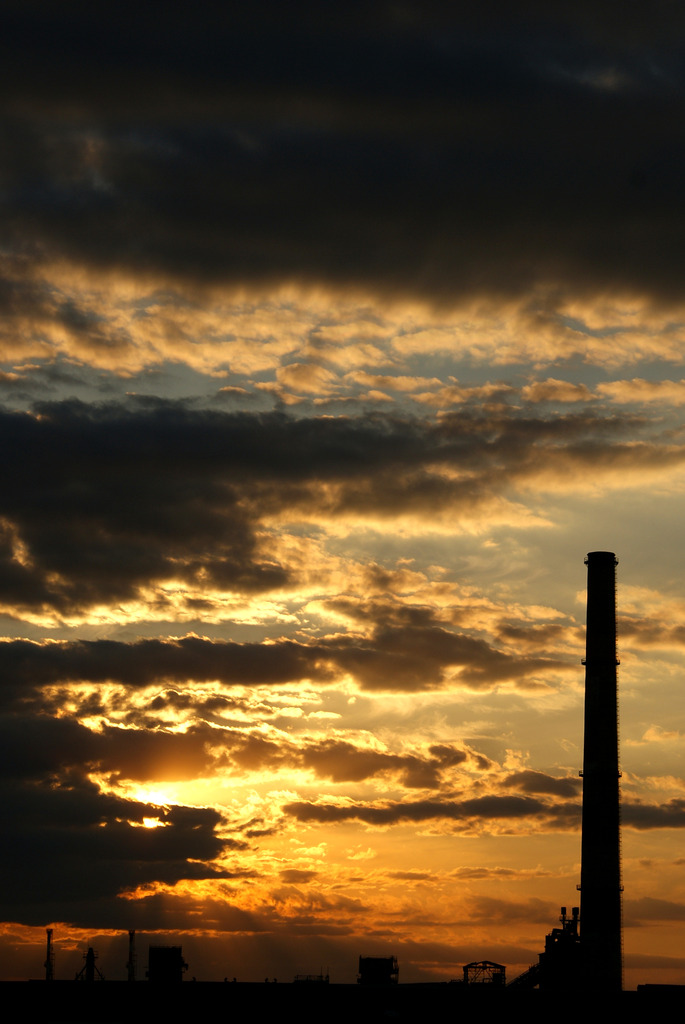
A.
pixel 332 338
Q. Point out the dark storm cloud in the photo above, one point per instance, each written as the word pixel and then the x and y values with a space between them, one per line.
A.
pixel 560 814
pixel 411 650
pixel 165 912
pixel 390 658
pixel 343 761
pixel 97 847
pixel 487 872
pixel 400 148
pixel 556 803
pixel 647 908
pixel 26 664
pixel 35 746
pixel 105 509
pixel 296 876
pixel 533 636
pixel 650 632
pixel 478 808
pixel 107 499
pixel 645 816
pixel 504 912
pixel 538 782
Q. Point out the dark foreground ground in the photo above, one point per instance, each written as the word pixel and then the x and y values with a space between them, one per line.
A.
pixel 200 1002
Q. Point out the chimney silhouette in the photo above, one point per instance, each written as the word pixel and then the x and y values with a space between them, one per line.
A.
pixel 600 873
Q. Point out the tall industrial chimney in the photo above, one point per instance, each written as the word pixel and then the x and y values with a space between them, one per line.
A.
pixel 600 873
pixel 50 957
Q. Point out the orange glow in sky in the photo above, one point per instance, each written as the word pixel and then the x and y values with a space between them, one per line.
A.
pixel 327 353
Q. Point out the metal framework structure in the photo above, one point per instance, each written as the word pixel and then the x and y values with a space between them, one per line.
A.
pixel 484 972
pixel 90 969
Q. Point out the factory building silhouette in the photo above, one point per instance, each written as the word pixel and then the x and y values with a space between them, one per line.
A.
pixel 586 952
pixel 583 955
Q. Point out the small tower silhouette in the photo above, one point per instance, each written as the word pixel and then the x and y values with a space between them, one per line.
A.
pixel 131 962
pixel 90 968
pixel 50 957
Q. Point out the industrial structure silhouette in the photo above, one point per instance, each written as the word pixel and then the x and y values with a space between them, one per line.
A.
pixel 584 955
pixel 600 873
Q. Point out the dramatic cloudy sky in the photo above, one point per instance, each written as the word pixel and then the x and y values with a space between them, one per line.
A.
pixel 332 338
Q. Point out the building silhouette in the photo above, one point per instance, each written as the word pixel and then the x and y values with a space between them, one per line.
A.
pixel 166 965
